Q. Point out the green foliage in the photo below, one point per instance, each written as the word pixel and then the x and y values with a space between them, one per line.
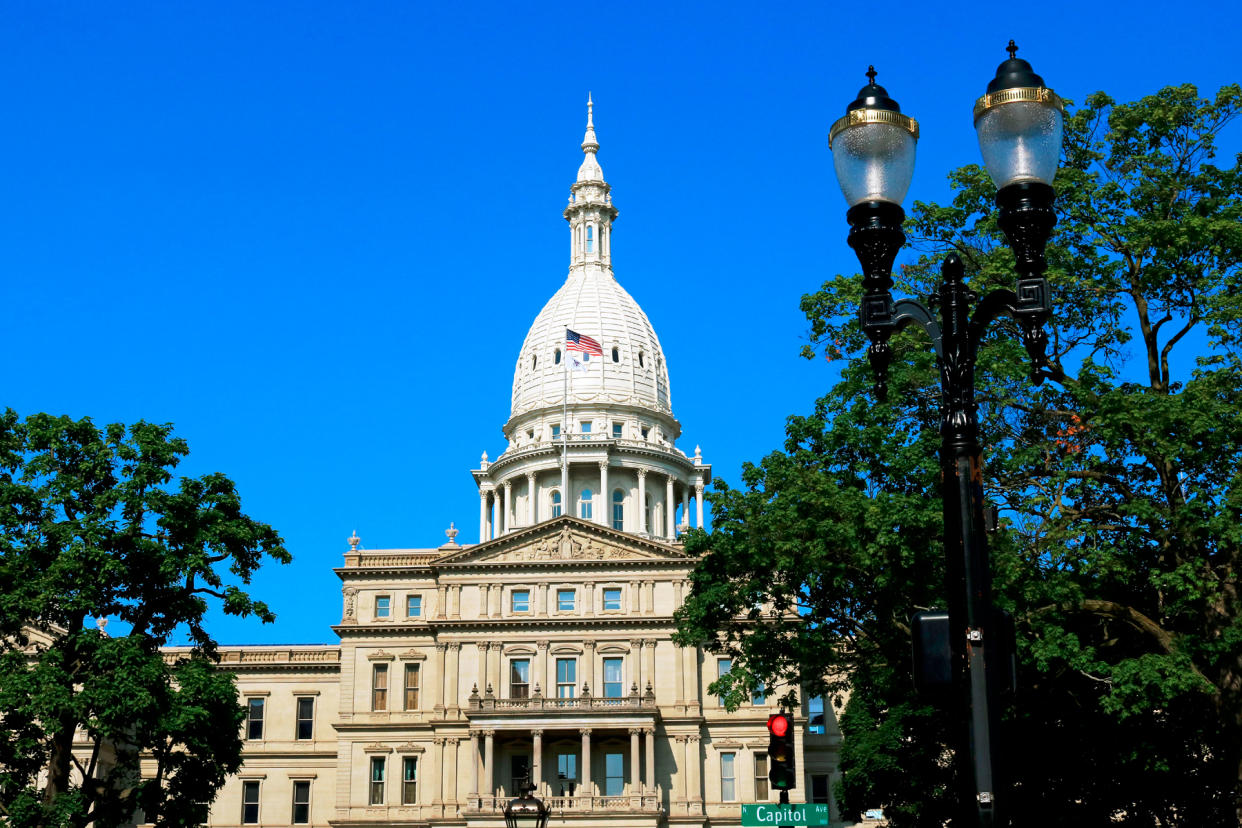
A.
pixel 1118 479
pixel 92 524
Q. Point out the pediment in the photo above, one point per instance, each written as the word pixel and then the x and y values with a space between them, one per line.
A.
pixel 565 539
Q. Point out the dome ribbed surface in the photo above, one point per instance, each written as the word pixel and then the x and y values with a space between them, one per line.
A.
pixel 593 304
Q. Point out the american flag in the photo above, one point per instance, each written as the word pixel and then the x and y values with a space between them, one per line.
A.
pixel 577 342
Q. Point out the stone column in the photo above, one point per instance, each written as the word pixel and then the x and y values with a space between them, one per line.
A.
pixel 474 764
pixel 642 501
pixel 588 672
pixel 650 644
pixel 588 598
pixel 650 605
pixel 453 695
pixel 670 507
pixel 685 505
pixel 482 515
pixel 649 776
pixel 441 601
pixel 435 772
pixel 690 664
pixel 585 787
pixel 605 500
pixel 483 646
pixel 530 499
pixel 693 764
pixel 536 760
pixel 698 503
pixel 455 600
pixel 679 663
pixel 450 771
pixel 635 759
pixel 498 594
pixel 541 599
pixel 437 686
pixel 682 779
pixel 635 599
pixel 493 669
pixel 636 663
pixel 677 593
pixel 541 663
pixel 507 508
pixel 489 757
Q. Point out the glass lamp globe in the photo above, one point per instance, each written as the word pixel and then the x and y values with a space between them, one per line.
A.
pixel 873 147
pixel 1019 124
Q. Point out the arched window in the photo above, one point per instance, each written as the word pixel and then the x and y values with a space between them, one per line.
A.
pixel 556 503
pixel 616 355
pixel 584 504
pixel 556 357
pixel 618 509
pixel 640 359
pixel 590 239
pixel 647 509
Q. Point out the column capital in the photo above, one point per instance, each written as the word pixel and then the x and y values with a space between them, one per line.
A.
pixel 585 731
pixel 441 646
pixel 642 473
pixel 537 733
pixel 693 738
pixel 508 486
pixel 438 741
pixel 452 741
pixel 490 733
pixel 698 485
pixel 650 731
pixel 603 464
pixel 679 739
pixel 649 642
pixel 590 645
pixel 542 643
pixel 635 731
pixel 636 643
pixel 454 645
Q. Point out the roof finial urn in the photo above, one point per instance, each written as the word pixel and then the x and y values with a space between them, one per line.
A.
pixel 451 532
pixel 354 540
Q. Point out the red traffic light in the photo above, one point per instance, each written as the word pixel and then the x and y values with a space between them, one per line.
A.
pixel 778 725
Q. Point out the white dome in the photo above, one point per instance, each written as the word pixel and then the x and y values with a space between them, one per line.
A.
pixel 632 370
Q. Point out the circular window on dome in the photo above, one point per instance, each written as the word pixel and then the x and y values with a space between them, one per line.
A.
pixel 616 355
pixel 556 357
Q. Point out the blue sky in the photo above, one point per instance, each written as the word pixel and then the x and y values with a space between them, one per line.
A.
pixel 313 235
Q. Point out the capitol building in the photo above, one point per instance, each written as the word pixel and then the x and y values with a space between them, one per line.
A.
pixel 543 652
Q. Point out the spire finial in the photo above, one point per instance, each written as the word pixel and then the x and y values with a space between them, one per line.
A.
pixel 591 107
pixel 871 73
pixel 589 143
pixel 1012 49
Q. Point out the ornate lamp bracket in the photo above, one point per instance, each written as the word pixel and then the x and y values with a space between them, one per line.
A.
pixel 1027 217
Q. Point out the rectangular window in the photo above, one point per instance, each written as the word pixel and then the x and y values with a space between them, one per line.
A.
pixel 383 606
pixel 565 600
pixel 306 718
pixel 617 429
pixel 556 431
pixel 301 802
pixel 250 803
pixel 586 428
pixel 519 771
pixel 411 686
pixel 377 780
pixel 815 715
pixel 413 606
pixel 566 678
pixel 819 788
pixel 519 678
pixel 757 695
pixel 612 598
pixel 379 687
pixel 761 777
pixel 728 782
pixel 519 600
pixel 567 772
pixel 614 774
pixel 409 780
pixel 612 678
pixel 254 718
pixel 723 666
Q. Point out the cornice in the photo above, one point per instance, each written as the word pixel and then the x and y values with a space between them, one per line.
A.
pixel 530 626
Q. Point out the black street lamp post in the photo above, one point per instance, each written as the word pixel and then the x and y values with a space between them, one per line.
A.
pixel 1019 124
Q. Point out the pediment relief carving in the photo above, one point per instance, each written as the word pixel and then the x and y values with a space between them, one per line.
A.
pixel 565 545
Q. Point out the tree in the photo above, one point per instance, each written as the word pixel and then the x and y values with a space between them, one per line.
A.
pixel 94 727
pixel 1119 481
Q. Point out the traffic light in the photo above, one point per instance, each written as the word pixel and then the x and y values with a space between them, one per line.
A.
pixel 781 751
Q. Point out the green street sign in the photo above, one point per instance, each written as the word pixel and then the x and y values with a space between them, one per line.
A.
pixel 770 815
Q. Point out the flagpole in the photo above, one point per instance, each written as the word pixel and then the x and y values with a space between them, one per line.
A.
pixel 565 428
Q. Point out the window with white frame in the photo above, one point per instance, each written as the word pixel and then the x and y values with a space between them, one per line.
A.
pixel 565 599
pixel 614 684
pixel 723 666
pixel 566 678
pixel 305 717
pixel 612 598
pixel 379 687
pixel 614 774
pixel 254 718
pixel 761 777
pixel 556 502
pixel 301 801
pixel 413 606
pixel 378 769
pixel 250 802
pixel 618 509
pixel 409 780
pixel 413 674
pixel 728 777
pixel 383 606
pixel 519 600
pixel 519 678
pixel 584 504
pixel 759 695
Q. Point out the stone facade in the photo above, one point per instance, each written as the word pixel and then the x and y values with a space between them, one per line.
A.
pixel 544 651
